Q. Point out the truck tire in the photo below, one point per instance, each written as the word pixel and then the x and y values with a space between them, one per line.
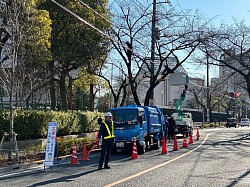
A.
pixel 147 145
pixel 142 149
pixel 157 144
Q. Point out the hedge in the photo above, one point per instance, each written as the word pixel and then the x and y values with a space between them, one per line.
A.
pixel 33 124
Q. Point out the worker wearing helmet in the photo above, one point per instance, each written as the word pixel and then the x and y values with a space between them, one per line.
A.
pixel 107 134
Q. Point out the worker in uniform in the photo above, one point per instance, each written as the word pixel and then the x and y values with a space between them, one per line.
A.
pixel 171 128
pixel 107 134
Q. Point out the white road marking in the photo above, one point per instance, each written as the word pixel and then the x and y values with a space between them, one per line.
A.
pixel 157 166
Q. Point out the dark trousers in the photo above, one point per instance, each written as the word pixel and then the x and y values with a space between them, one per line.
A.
pixel 106 149
pixel 171 133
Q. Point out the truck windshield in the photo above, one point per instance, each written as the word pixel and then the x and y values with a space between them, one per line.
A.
pixel 125 115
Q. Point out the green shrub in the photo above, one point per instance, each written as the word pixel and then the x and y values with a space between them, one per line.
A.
pixel 33 124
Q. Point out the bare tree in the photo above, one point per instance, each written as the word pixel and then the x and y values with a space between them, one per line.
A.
pixel 19 36
pixel 176 37
pixel 230 47
pixel 218 95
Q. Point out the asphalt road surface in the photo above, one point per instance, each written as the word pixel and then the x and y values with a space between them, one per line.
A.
pixel 219 158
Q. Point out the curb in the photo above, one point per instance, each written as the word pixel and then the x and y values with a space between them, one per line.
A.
pixel 30 165
pixel 18 167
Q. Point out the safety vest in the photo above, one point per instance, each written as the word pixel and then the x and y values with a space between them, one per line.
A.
pixel 109 134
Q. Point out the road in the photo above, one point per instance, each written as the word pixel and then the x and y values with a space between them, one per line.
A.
pixel 220 158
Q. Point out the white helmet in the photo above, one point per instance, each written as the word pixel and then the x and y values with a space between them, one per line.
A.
pixel 108 114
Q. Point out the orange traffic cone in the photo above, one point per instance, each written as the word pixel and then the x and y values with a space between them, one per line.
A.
pixel 191 138
pixel 134 151
pixel 84 152
pixel 74 159
pixel 184 144
pixel 175 144
pixel 164 147
pixel 197 134
pixel 97 140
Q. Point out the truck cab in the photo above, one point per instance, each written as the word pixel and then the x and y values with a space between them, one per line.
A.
pixel 143 124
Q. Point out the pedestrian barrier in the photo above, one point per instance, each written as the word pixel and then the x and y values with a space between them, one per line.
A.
pixel 84 152
pixel 175 148
pixel 134 151
pixel 191 138
pixel 197 134
pixel 164 147
pixel 184 144
pixel 74 159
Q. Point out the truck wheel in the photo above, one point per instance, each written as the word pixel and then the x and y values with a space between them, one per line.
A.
pixel 147 145
pixel 157 144
pixel 142 149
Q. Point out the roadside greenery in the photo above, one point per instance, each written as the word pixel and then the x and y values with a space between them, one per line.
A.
pixel 33 124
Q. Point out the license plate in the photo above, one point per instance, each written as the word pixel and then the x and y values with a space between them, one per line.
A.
pixel 120 144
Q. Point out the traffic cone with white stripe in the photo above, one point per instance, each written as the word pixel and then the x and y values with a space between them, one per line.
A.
pixel 197 134
pixel 191 138
pixel 134 151
pixel 97 140
pixel 184 144
pixel 164 146
pixel 74 159
pixel 84 152
pixel 175 144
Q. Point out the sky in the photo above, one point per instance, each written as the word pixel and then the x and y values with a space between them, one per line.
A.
pixel 224 10
pixel 221 11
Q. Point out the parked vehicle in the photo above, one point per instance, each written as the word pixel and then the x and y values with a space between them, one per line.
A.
pixel 144 124
pixel 244 122
pixel 185 124
pixel 231 122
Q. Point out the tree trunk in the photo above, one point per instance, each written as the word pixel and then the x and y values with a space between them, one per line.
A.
pixel 27 102
pixel 70 93
pixel 147 98
pixel 52 86
pixel 11 129
pixel 62 87
pixel 123 96
pixel 92 97
pixel 134 93
pixel 248 85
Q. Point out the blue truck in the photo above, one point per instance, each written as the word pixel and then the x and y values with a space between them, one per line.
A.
pixel 145 124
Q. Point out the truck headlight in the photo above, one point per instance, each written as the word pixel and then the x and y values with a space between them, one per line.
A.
pixel 137 137
pixel 133 138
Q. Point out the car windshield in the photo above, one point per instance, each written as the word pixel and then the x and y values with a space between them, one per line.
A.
pixel 244 119
pixel 124 115
pixel 230 120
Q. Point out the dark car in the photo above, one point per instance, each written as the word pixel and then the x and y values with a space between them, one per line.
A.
pixel 231 122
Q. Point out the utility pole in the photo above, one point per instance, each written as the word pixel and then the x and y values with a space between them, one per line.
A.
pixel 153 37
pixel 208 102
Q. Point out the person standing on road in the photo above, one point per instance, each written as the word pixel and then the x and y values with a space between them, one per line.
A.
pixel 107 134
pixel 171 129
pixel 166 127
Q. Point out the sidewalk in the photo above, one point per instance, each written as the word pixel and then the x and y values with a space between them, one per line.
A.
pixel 34 164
